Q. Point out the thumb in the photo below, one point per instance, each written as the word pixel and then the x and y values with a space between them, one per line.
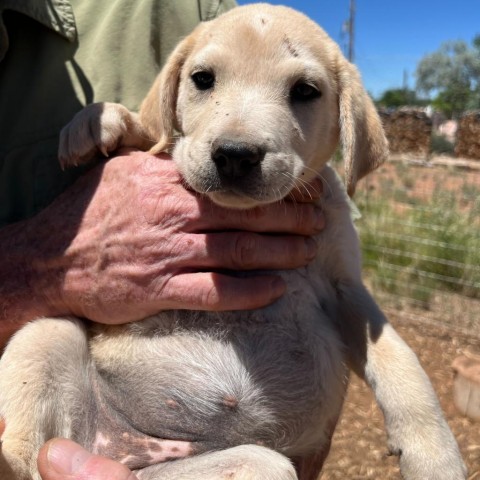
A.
pixel 61 459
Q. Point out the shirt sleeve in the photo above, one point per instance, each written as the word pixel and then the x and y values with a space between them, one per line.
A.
pixel 57 61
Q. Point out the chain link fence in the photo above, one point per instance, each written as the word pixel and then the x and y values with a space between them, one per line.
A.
pixel 420 232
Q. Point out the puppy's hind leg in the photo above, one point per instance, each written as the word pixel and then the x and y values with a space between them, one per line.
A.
pixel 43 391
pixel 7 472
pixel 244 462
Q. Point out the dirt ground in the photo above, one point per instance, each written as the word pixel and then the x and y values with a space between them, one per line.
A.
pixel 359 450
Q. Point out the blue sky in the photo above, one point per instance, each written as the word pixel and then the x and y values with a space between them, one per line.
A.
pixel 393 35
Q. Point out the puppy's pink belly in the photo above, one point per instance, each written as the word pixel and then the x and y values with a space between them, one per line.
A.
pixel 139 451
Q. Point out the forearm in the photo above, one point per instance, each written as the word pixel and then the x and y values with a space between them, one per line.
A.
pixel 23 294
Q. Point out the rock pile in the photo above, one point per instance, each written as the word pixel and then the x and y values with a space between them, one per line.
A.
pixel 468 136
pixel 408 130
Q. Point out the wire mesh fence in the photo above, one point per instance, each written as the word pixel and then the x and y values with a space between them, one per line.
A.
pixel 420 231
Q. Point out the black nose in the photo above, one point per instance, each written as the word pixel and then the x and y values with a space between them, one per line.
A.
pixel 235 159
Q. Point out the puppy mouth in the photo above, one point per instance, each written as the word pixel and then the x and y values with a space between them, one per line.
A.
pixel 237 174
pixel 237 200
pixel 244 195
pixel 232 200
pixel 258 188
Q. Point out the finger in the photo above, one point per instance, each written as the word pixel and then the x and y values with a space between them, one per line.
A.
pixel 279 217
pixel 286 216
pixel 61 459
pixel 247 251
pixel 307 192
pixel 221 292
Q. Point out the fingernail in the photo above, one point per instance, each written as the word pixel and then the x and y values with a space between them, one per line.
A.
pixel 311 248
pixel 319 219
pixel 66 457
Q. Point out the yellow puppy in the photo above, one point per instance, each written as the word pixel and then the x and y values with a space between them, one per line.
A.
pixel 260 98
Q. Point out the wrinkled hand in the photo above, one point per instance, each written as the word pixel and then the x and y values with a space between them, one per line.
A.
pixel 61 459
pixel 128 240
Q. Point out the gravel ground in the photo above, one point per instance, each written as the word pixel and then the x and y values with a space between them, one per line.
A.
pixel 359 449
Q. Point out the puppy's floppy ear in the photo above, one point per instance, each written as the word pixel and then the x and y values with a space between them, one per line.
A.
pixel 364 143
pixel 158 109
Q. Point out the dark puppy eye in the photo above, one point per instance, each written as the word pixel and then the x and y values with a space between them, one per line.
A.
pixel 203 80
pixel 304 92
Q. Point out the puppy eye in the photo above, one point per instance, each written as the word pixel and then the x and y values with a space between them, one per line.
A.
pixel 304 92
pixel 203 80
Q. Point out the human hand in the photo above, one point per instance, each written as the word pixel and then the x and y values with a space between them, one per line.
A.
pixel 128 240
pixel 61 459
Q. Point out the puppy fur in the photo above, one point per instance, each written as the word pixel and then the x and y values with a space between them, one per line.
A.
pixel 244 395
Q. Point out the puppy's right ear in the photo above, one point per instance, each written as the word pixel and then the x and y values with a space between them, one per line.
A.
pixel 365 146
pixel 158 109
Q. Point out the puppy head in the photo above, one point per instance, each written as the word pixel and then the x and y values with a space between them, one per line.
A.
pixel 261 97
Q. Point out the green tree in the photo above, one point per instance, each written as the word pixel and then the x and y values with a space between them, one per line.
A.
pixel 476 42
pixel 452 73
pixel 399 97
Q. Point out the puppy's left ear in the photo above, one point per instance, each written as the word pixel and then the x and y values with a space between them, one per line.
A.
pixel 158 109
pixel 364 143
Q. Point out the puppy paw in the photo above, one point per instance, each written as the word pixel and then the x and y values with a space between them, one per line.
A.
pixel 432 466
pixel 98 128
pixel 437 459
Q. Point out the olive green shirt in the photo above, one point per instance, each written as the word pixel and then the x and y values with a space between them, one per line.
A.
pixel 56 56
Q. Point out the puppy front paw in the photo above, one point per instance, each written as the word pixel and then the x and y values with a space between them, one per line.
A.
pixel 97 128
pixel 439 466
pixel 420 460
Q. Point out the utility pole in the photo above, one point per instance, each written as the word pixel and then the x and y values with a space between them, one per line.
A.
pixel 405 79
pixel 351 30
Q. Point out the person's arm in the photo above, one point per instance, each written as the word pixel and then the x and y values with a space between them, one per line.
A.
pixel 127 240
pixel 20 299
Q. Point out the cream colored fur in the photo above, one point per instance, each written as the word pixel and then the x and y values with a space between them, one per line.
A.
pixel 243 391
